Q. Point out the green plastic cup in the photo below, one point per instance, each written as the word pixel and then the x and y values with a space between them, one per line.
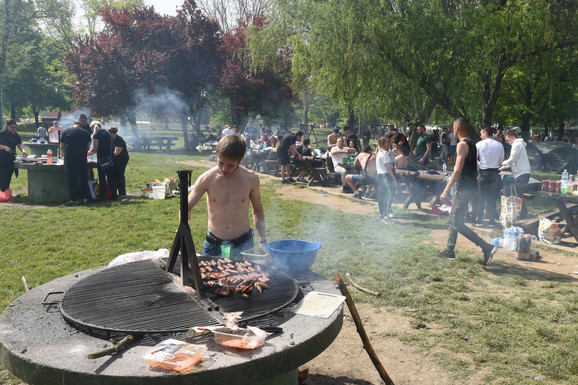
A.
pixel 226 250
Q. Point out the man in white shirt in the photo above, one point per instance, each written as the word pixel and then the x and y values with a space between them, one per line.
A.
pixel 490 157
pixel 518 159
pixel 337 154
pixel 227 131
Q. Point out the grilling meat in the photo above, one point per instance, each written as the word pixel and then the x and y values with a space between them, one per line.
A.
pixel 226 277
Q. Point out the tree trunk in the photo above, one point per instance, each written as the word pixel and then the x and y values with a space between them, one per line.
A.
pixel 131 117
pixel 305 108
pixel 185 129
pixel 561 127
pixel 527 115
pixel 351 116
pixel 36 112
pixel 491 89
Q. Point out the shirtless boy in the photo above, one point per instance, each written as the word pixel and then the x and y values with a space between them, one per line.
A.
pixel 230 187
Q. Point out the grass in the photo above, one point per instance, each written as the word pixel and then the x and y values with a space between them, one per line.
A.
pixel 504 321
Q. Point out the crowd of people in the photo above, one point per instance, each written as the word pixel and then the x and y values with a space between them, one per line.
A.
pixel 83 140
pixel 77 143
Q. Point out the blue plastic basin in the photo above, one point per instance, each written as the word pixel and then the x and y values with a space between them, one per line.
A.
pixel 293 256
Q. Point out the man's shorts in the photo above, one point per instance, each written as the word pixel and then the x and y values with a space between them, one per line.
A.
pixel 283 156
pixel 212 244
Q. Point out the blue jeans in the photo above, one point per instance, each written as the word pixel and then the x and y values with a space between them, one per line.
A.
pixel 384 195
pixel 214 249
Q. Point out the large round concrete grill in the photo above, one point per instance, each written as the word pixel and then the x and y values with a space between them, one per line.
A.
pixel 141 298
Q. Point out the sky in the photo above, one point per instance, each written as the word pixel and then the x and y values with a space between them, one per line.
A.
pixel 165 7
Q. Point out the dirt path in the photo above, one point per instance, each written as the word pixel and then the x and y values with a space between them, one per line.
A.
pixel 345 361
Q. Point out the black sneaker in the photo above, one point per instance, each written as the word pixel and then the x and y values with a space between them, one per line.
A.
pixel 285 181
pixel 489 252
pixel 290 180
pixel 447 254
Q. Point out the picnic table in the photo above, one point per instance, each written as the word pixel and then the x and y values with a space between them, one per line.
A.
pixel 162 141
pixel 419 183
pixel 316 173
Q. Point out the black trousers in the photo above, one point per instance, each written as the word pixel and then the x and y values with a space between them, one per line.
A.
pixel 77 177
pixel 5 176
pixel 488 193
pixel 105 176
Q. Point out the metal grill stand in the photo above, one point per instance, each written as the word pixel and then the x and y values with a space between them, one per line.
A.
pixel 183 242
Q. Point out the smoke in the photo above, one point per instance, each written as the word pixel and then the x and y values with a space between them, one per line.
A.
pixel 67 120
pixel 164 103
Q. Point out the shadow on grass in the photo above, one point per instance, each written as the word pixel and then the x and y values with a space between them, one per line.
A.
pixel 342 380
pixel 530 273
pixel 33 202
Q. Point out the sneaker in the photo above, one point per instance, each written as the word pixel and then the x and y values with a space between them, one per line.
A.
pixel 489 252
pixel 290 180
pixel 357 195
pixel 447 254
pixel 284 181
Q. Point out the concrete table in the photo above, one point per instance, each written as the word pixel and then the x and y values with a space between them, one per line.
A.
pixel 38 346
pixel 46 181
pixel 42 148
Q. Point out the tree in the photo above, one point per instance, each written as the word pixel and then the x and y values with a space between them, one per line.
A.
pixel 92 10
pixel 254 91
pixel 139 50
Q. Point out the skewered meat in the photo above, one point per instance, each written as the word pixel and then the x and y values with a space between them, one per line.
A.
pixel 226 277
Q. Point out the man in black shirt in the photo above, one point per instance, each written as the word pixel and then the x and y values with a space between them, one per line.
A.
pixel 351 137
pixel 465 178
pixel 74 144
pixel 287 146
pixel 83 120
pixel 9 140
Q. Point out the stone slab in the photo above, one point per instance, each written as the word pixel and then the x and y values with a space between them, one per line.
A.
pixel 38 346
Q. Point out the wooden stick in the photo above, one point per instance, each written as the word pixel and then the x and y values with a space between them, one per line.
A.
pixel 115 348
pixel 25 282
pixel 361 288
pixel 361 330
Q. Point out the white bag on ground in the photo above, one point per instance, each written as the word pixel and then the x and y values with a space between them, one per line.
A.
pixel 549 231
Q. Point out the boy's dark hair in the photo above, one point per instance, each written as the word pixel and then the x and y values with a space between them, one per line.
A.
pixel 368 149
pixel 10 122
pixel 489 130
pixel 306 141
pixel 299 133
pixel 232 147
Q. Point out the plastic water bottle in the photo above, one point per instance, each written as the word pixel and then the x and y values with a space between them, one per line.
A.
pixel 49 156
pixel 564 183
pixel 444 167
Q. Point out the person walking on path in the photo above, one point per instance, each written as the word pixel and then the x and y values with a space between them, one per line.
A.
pixel 465 178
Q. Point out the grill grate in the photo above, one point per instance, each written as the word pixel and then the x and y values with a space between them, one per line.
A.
pixel 136 298
pixel 140 298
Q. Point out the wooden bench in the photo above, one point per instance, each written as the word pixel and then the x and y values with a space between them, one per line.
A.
pixel 530 225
